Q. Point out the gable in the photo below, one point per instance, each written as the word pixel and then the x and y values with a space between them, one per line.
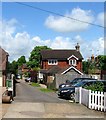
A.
pixel 72 56
pixel 72 68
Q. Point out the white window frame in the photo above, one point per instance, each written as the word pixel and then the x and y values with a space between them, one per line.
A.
pixel 52 62
pixel 72 62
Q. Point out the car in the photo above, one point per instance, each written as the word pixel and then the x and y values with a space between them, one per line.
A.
pixel 69 92
pixel 69 83
pixel 28 79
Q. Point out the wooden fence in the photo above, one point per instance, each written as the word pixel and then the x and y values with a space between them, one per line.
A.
pixel 92 99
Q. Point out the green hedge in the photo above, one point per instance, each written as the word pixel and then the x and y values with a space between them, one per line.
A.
pixel 99 86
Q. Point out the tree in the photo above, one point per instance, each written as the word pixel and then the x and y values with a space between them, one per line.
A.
pixel 21 60
pixel 34 59
pixel 98 64
pixel 85 65
pixel 12 67
pixel 102 62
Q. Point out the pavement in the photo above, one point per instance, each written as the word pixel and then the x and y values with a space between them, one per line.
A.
pixel 49 110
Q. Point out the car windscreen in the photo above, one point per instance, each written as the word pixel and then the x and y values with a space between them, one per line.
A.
pixel 79 84
pixel 76 80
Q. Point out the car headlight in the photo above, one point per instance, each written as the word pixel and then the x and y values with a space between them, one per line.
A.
pixel 71 91
pixel 65 91
pixel 63 86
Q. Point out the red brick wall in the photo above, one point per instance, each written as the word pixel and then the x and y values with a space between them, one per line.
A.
pixel 79 65
pixel 62 64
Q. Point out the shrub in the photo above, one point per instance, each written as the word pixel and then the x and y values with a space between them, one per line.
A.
pixel 98 86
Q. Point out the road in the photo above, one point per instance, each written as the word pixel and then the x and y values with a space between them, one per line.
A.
pixel 28 93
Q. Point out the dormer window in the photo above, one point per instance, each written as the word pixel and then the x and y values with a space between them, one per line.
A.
pixel 72 62
pixel 52 62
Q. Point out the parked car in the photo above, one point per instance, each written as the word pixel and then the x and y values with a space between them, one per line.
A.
pixel 28 79
pixel 69 92
pixel 69 83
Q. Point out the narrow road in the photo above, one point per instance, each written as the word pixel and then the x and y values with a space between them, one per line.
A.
pixel 28 93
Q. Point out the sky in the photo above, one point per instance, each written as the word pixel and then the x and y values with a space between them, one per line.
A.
pixel 25 27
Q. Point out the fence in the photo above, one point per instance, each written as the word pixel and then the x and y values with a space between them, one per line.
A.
pixel 93 100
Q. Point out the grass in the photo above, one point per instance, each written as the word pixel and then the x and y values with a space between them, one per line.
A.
pixel 35 84
pixel 46 90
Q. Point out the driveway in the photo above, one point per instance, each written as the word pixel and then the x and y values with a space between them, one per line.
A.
pixel 28 93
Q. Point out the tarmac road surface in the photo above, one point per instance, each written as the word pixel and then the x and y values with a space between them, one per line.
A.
pixel 27 93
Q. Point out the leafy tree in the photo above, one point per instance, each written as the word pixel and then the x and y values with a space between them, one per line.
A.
pixel 102 62
pixel 21 60
pixel 12 67
pixel 34 59
pixel 91 67
pixel 85 65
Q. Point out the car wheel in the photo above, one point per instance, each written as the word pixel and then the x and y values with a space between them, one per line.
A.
pixel 72 96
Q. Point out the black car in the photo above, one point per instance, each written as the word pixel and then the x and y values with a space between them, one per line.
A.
pixel 69 83
pixel 69 92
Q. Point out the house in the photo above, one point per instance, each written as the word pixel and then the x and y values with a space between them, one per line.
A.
pixel 61 61
pixel 69 59
pixel 23 69
pixel 3 65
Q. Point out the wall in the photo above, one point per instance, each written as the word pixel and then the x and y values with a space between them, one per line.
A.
pixel 62 64
pixel 0 81
pixel 59 78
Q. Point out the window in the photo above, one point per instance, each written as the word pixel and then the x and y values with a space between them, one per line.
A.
pixel 72 62
pixel 52 62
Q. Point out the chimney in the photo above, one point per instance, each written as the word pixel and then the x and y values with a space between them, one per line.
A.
pixel 92 58
pixel 77 47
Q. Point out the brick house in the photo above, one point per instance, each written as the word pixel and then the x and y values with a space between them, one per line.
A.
pixel 3 65
pixel 62 61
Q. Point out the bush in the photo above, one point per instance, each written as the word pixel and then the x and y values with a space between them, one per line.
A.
pixel 98 86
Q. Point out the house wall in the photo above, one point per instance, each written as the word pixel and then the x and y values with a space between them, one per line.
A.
pixel 62 64
pixel 4 78
pixel 0 81
pixel 79 65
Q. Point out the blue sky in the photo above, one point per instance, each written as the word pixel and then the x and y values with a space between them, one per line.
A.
pixel 25 27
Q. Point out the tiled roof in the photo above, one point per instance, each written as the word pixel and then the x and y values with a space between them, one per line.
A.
pixel 59 54
pixel 54 70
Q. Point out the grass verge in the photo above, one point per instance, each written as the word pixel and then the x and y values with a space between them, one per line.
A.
pixel 35 84
pixel 46 90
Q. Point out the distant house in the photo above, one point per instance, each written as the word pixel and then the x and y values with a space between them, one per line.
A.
pixel 23 69
pixel 61 61
pixel 3 65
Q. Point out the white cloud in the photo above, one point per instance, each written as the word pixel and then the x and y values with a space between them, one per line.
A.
pixel 61 43
pixel 9 26
pixel 18 44
pixel 100 19
pixel 95 47
pixel 40 42
pixel 63 24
